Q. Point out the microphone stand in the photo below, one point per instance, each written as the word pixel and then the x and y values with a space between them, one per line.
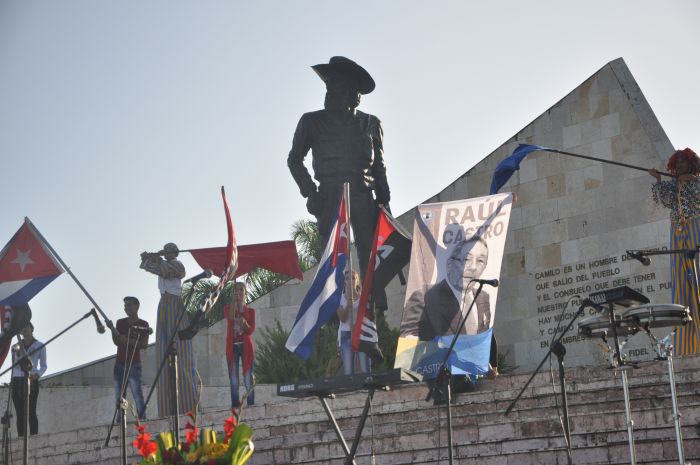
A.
pixel 170 356
pixel 444 377
pixel 25 364
pixel 557 348
pixel 122 404
pixel 689 255
pixel 6 418
pixel 26 400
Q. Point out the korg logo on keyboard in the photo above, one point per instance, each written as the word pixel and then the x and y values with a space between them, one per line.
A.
pixel 287 388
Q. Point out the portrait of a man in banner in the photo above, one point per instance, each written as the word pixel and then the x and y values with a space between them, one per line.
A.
pixel 455 246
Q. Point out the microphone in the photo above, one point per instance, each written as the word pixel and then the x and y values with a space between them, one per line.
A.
pixel 143 329
pixel 488 282
pixel 204 274
pixel 643 259
pixel 98 323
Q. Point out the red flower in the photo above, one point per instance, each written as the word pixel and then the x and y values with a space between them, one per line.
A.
pixel 230 425
pixel 191 431
pixel 143 442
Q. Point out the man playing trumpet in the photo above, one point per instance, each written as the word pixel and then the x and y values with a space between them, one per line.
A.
pixel 170 272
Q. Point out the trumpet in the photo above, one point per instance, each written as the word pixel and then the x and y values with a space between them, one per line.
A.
pixel 145 255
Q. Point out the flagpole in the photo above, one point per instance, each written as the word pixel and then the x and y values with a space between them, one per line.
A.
pixel 65 267
pixel 346 196
pixel 610 162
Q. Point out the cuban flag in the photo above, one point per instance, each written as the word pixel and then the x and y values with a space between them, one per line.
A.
pixel 323 299
pixel 510 165
pixel 26 266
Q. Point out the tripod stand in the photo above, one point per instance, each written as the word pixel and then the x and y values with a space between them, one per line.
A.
pixel 6 418
pixel 26 356
pixel 444 378
pixel 557 348
pixel 122 404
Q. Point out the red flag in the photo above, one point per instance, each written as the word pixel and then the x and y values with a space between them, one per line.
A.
pixel 26 266
pixel 225 264
pixel 341 236
pixel 231 252
pixel 391 250
pixel 278 257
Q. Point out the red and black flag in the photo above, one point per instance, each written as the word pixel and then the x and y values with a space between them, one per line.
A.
pixel 391 251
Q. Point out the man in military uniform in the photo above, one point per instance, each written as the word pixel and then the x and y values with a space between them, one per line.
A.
pixel 346 146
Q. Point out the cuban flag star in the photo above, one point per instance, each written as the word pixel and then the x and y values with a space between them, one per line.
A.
pixel 26 266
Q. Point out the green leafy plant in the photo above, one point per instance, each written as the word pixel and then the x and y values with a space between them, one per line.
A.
pixel 275 364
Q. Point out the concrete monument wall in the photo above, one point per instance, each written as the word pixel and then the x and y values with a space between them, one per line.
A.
pixel 569 230
pixel 571 225
pixel 574 218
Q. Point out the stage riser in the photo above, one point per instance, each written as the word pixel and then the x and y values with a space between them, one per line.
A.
pixel 406 427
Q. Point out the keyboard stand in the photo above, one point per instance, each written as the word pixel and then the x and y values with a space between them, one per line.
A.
pixel 349 453
pixel 329 387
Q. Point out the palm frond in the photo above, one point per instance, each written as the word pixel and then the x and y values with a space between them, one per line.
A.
pixel 201 291
pixel 261 281
pixel 309 241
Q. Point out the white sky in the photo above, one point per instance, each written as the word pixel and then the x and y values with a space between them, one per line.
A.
pixel 120 120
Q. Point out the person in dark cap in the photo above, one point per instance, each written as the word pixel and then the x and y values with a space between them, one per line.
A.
pixel 346 146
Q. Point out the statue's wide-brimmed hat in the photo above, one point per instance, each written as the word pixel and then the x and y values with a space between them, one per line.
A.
pixel 346 67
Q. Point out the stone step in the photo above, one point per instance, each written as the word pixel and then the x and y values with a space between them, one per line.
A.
pixel 409 430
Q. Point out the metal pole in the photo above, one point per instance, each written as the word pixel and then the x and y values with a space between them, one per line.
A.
pixel 628 415
pixel 25 420
pixel 360 427
pixel 123 405
pixel 448 391
pixel 559 350
pixel 676 414
pixel 70 273
pixel 336 428
pixel 6 426
pixel 610 162
pixel 353 314
pixel 346 195
pixel 176 394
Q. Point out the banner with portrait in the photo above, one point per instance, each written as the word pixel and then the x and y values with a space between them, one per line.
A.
pixel 455 246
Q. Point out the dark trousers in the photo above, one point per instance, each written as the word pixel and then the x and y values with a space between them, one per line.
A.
pixel 18 401
pixel 363 217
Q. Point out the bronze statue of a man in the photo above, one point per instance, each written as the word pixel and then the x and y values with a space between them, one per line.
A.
pixel 346 146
